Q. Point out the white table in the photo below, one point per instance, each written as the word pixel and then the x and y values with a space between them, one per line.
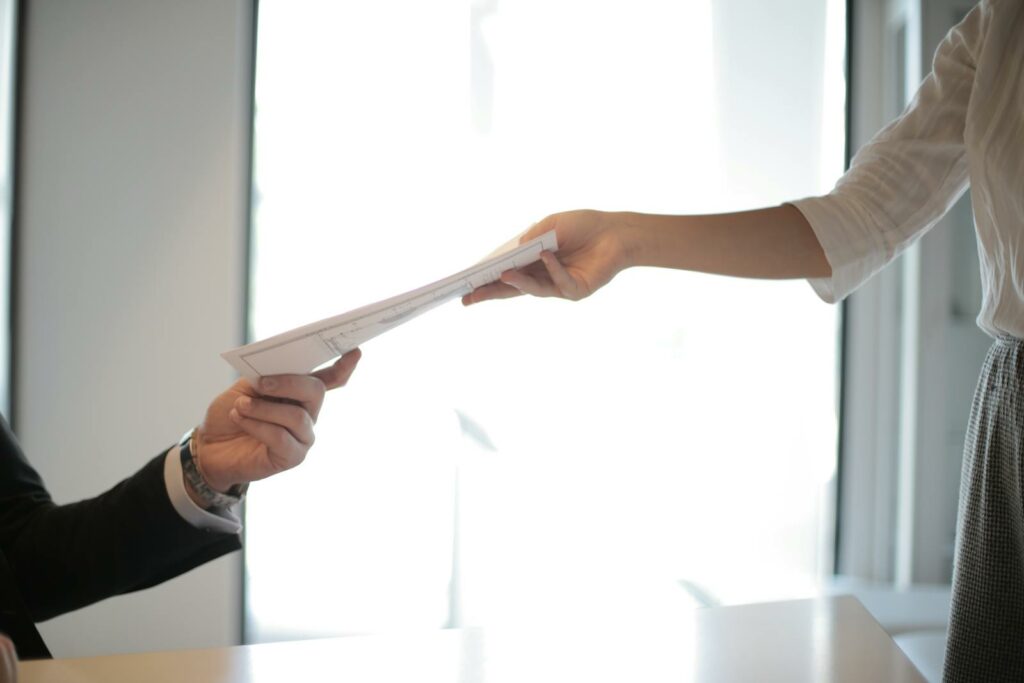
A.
pixel 826 639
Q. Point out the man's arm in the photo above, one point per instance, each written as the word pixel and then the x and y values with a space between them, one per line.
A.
pixel 132 537
pixel 128 538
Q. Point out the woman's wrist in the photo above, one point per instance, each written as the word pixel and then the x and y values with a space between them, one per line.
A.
pixel 633 237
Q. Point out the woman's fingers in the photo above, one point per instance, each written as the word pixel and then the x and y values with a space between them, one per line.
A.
pixel 494 290
pixel 292 417
pixel 512 283
pixel 542 226
pixel 547 278
pixel 528 283
pixel 565 283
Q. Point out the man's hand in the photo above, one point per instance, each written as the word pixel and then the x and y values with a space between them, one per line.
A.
pixel 591 251
pixel 251 433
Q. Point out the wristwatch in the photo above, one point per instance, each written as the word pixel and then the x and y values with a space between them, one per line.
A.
pixel 190 468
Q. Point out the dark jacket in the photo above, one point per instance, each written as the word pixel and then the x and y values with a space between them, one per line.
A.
pixel 57 558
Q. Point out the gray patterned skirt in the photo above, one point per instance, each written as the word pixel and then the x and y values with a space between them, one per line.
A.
pixel 986 628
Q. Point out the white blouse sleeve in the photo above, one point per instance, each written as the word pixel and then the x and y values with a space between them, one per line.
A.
pixel 902 182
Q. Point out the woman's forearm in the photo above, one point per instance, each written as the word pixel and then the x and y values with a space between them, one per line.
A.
pixel 772 243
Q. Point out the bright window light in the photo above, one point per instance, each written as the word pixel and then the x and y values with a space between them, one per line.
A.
pixel 668 442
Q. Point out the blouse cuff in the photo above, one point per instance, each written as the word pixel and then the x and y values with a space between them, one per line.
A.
pixel 852 261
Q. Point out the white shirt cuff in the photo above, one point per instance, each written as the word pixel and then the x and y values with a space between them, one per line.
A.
pixel 224 521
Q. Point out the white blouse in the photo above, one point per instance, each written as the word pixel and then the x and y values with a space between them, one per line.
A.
pixel 964 127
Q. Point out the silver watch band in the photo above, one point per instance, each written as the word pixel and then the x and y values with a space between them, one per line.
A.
pixel 190 468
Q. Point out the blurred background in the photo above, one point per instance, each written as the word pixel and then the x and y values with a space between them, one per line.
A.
pixel 182 177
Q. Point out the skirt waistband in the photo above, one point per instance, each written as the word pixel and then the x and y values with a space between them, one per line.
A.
pixel 1007 348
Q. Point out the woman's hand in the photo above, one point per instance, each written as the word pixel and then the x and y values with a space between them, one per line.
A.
pixel 591 251
pixel 251 433
pixel 773 243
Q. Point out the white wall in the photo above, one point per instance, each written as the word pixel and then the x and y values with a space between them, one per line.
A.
pixel 133 205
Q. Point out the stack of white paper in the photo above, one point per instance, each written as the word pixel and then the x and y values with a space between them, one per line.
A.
pixel 303 349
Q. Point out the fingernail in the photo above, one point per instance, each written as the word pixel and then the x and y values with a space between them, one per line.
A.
pixel 244 403
pixel 234 415
pixel 268 383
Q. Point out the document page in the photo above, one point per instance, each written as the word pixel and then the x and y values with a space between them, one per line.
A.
pixel 305 348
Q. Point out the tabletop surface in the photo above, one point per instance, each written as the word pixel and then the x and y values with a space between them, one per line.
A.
pixel 824 639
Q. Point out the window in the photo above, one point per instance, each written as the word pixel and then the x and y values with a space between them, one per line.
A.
pixel 670 440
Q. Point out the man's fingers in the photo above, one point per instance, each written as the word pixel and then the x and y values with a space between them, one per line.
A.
pixel 338 374
pixel 494 290
pixel 288 415
pixel 278 440
pixel 305 390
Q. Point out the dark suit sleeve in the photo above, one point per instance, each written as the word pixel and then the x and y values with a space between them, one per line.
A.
pixel 68 556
